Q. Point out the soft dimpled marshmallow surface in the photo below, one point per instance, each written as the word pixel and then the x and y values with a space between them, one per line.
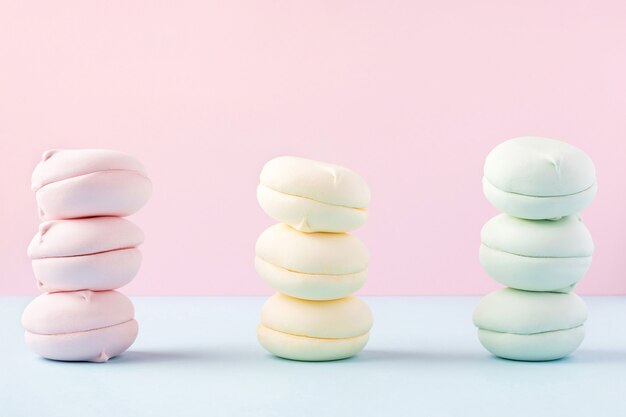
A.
pixel 99 253
pixel 540 255
pixel 314 330
pixel 412 95
pixel 530 326
pixel 539 178
pixel 72 183
pixel 80 325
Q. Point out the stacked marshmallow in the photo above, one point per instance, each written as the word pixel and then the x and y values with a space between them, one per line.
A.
pixel 311 261
pixel 539 248
pixel 84 250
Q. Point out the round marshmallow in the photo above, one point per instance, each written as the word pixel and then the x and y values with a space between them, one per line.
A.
pixel 97 272
pixel 539 178
pixel 80 326
pixel 530 326
pixel 314 330
pixel 302 348
pixel 313 196
pixel 89 182
pixel 308 215
pixel 309 286
pixel 313 266
pixel 312 253
pixel 536 255
pixel 95 253
pixel 58 238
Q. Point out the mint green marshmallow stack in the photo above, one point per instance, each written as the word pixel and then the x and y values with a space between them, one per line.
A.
pixel 539 248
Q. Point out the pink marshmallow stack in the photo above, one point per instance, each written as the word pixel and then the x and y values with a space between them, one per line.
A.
pixel 85 250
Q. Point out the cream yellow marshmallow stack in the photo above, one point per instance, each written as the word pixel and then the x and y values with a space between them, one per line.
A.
pixel 311 260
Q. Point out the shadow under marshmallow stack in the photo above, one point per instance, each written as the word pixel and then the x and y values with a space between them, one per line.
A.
pixel 539 248
pixel 83 252
pixel 311 261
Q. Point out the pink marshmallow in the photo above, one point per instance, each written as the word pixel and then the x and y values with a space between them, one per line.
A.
pixel 80 325
pixel 89 182
pixel 97 272
pixel 98 345
pixel 83 236
pixel 96 253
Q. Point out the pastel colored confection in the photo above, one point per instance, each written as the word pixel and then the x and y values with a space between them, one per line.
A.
pixel 313 196
pixel 98 253
pixel 80 326
pixel 313 266
pixel 530 326
pixel 305 330
pixel 539 178
pixel 89 182
pixel 536 255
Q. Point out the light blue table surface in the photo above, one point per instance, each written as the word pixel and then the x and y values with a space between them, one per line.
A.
pixel 198 356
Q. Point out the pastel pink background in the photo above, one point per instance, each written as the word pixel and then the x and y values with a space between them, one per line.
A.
pixel 411 94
